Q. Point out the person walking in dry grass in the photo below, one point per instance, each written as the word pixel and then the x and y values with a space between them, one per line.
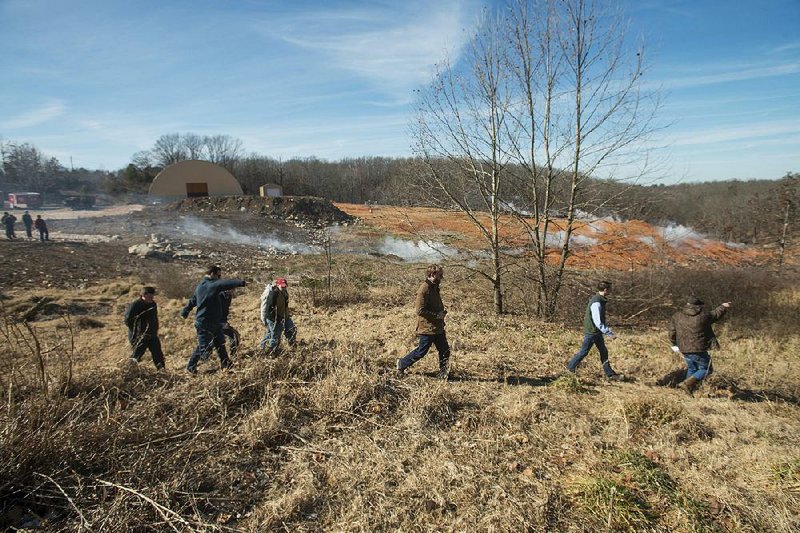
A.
pixel 594 327
pixel 691 334
pixel 430 324
pixel 275 316
pixel 208 316
pixel 141 317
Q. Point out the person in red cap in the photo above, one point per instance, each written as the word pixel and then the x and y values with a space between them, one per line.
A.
pixel 275 315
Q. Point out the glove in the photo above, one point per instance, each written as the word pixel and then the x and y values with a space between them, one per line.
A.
pixel 676 349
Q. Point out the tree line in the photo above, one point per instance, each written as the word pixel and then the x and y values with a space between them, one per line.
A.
pixel 750 212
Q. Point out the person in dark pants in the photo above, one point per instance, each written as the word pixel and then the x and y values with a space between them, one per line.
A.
pixel 430 324
pixel 208 316
pixel 594 327
pixel 28 221
pixel 41 226
pixel 8 222
pixel 226 297
pixel 275 316
pixel 141 317
pixel 691 334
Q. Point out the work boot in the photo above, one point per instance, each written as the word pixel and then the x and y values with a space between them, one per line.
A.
pixel 689 385
pixel 443 374
pixel 401 372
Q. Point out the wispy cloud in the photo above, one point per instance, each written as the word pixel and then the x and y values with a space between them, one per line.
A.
pixel 787 47
pixel 34 117
pixel 738 132
pixel 395 49
pixel 706 74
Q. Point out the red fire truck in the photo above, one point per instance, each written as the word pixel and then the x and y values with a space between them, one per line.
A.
pixel 24 200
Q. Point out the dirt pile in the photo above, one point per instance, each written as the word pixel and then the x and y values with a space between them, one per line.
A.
pixel 301 208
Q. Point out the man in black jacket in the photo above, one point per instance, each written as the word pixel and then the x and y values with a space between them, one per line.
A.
pixel 141 317
pixel 208 316
pixel 28 221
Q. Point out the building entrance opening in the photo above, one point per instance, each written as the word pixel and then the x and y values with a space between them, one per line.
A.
pixel 195 190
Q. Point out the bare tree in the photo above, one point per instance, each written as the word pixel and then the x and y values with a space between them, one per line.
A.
pixel 458 138
pixel 194 144
pixel 790 200
pixel 550 101
pixel 169 149
pixel 223 149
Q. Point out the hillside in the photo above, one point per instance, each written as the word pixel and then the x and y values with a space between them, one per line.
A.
pixel 325 437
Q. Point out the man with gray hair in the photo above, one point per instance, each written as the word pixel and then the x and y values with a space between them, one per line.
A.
pixel 430 313
pixel 691 334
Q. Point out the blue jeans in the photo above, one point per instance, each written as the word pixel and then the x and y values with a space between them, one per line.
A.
pixel 698 365
pixel 590 340
pixel 209 338
pixel 425 343
pixel 275 328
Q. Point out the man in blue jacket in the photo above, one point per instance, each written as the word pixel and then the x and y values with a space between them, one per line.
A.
pixel 208 316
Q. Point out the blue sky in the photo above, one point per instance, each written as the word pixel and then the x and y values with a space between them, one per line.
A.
pixel 100 80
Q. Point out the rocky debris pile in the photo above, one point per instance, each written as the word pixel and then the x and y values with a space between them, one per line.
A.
pixel 301 210
pixel 162 249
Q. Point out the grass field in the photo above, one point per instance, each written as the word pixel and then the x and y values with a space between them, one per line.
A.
pixel 325 437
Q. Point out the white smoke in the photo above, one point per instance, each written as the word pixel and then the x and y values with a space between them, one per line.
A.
pixel 198 228
pixel 677 234
pixel 556 239
pixel 649 241
pixel 415 250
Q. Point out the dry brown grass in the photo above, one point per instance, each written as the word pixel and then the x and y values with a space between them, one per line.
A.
pixel 323 437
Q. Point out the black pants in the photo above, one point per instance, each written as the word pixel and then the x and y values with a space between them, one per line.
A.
pixel 149 343
pixel 43 234
pixel 233 338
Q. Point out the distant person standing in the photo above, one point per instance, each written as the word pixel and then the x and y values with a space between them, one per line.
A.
pixel 208 316
pixel 594 328
pixel 691 334
pixel 41 226
pixel 141 317
pixel 226 297
pixel 28 221
pixel 8 221
pixel 275 315
pixel 430 313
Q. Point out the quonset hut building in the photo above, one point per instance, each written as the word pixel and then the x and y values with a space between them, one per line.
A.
pixel 191 179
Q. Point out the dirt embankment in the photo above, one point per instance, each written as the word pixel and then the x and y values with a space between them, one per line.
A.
pixel 303 208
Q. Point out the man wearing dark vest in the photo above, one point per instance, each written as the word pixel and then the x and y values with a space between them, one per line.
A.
pixel 594 327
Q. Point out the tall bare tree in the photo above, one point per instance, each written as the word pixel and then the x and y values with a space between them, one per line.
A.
pixel 584 116
pixel 458 137
pixel 548 99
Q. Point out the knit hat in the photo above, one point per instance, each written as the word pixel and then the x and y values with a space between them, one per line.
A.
pixel 281 282
pixel 694 300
